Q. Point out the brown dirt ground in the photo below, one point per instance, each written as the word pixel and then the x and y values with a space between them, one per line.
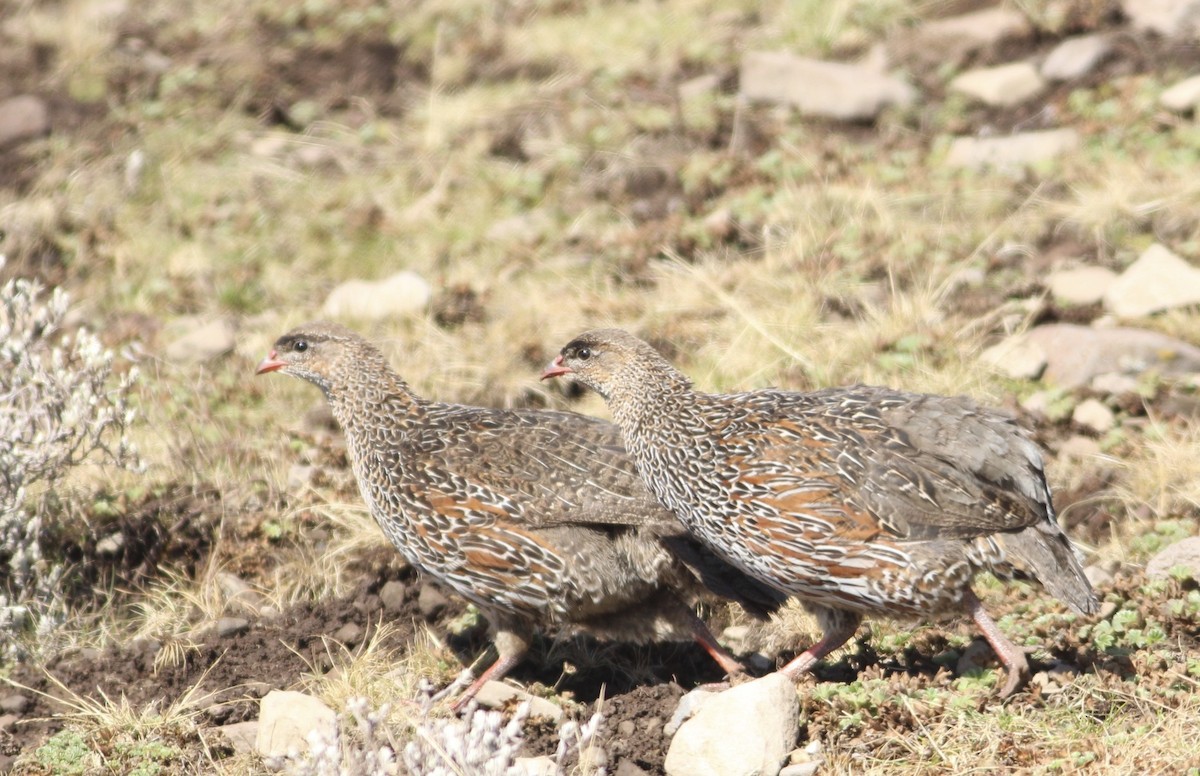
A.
pixel 275 652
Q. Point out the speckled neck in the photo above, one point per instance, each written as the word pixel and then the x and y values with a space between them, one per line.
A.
pixel 368 395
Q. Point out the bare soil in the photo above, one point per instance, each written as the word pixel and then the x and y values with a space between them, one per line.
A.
pixel 176 529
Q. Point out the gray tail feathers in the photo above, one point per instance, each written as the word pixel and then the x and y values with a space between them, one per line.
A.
pixel 1043 552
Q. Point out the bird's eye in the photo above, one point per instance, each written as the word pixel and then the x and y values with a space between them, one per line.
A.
pixel 583 354
pixel 300 346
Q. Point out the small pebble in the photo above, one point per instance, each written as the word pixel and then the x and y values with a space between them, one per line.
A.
pixel 431 601
pixel 393 596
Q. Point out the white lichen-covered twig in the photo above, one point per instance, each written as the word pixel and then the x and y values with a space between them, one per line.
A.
pixel 481 743
pixel 59 406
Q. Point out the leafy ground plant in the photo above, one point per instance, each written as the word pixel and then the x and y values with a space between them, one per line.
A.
pixel 61 405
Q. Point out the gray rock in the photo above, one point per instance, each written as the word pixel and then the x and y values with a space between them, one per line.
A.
pixel 22 118
pixel 285 718
pixel 1076 354
pixel 1185 553
pixel 815 87
pixel 805 762
pixel 239 594
pixel 431 601
pixel 1170 18
pixel 241 735
pixel 14 703
pixel 402 294
pixel 1016 358
pixel 1011 152
pixel 1076 57
pixel 204 342
pixel 350 633
pixel 687 707
pixel 1080 285
pixel 232 626
pixel 1002 86
pixel 1159 280
pixel 393 596
pixel 1093 414
pixel 495 695
pixel 1183 96
pixel 747 730
pixel 953 38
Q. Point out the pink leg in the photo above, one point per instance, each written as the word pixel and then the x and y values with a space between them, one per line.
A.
pixel 722 656
pixel 496 671
pixel 512 647
pixel 1012 658
pixel 838 625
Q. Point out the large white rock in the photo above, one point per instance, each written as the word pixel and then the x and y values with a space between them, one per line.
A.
pixel 746 731
pixel 1172 18
pixel 1001 86
pixel 1159 280
pixel 285 718
pixel 1076 57
pixel 1182 96
pixel 1011 151
pixel 1080 285
pixel 404 293
pixel 817 88
pixel 1184 553
pixel 204 341
pixel 1076 354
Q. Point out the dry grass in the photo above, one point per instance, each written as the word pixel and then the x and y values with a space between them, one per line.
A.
pixel 851 261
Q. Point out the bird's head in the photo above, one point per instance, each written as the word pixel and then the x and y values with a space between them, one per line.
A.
pixel 319 352
pixel 607 361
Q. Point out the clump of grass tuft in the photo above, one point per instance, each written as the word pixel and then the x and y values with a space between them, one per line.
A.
pixel 116 736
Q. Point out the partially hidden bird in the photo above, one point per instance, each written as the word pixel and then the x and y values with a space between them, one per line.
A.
pixel 856 500
pixel 538 517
